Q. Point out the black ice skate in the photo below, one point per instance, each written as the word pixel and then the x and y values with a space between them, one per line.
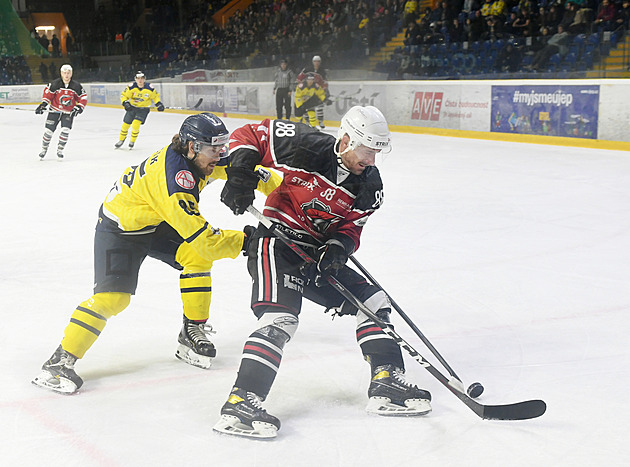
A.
pixel 42 154
pixel 131 144
pixel 58 373
pixel 195 347
pixel 243 415
pixel 59 155
pixel 390 394
pixel 119 143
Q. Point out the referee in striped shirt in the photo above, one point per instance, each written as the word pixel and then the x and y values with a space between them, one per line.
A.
pixel 283 84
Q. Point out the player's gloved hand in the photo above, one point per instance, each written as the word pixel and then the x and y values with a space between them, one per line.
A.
pixel 328 101
pixel 127 105
pixel 249 231
pixel 76 111
pixel 332 257
pixel 160 106
pixel 238 192
pixel 40 108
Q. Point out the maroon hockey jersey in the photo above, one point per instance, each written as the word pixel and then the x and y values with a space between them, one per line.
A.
pixel 318 197
pixel 62 98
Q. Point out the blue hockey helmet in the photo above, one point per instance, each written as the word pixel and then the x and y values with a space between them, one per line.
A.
pixel 204 128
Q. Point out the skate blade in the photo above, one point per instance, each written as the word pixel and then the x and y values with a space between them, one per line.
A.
pixel 384 406
pixel 231 425
pixel 186 355
pixel 60 385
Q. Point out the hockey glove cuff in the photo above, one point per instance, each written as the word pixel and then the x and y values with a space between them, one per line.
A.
pixel 249 231
pixel 127 105
pixel 332 257
pixel 160 106
pixel 76 111
pixel 40 108
pixel 238 192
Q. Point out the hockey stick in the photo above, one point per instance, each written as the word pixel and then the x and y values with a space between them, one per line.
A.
pixel 471 392
pixel 16 108
pixel 344 97
pixel 517 411
pixel 196 106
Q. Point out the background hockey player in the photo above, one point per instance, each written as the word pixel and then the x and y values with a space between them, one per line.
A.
pixel 153 210
pixel 308 95
pixel 67 99
pixel 331 186
pixel 321 78
pixel 136 99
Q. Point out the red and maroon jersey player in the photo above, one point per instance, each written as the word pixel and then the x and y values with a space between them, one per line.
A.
pixel 318 197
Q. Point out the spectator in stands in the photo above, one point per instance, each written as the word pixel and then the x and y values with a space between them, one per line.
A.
pixel 524 23
pixel 56 46
pixel 623 16
pixel 605 19
pixel 557 44
pixel 455 31
pixel 411 11
pixel 568 17
pixel 413 34
pixel 508 59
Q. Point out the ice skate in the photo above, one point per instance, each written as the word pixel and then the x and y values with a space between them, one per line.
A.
pixel 59 156
pixel 58 373
pixel 195 347
pixel 390 394
pixel 119 143
pixel 243 415
pixel 42 154
pixel 131 144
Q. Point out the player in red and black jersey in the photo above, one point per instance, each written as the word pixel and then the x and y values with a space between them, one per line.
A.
pixel 330 188
pixel 67 99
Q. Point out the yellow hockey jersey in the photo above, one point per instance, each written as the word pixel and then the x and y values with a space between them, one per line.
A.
pixel 165 187
pixel 304 93
pixel 140 97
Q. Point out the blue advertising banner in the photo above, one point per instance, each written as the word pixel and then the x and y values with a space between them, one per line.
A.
pixel 564 110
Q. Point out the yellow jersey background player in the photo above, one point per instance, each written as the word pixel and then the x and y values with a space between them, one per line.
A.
pixel 153 210
pixel 308 95
pixel 137 99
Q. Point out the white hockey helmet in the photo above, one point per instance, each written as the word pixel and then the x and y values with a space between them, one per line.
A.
pixel 317 58
pixel 365 126
pixel 65 67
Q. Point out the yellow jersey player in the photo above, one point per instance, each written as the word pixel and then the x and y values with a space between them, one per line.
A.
pixel 153 210
pixel 308 95
pixel 136 99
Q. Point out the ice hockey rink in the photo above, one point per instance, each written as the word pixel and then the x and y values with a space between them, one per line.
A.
pixel 513 259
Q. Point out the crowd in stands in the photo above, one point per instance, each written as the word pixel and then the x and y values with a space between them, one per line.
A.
pixel 343 32
pixel 545 26
pixel 270 29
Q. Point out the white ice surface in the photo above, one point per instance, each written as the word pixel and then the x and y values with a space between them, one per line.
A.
pixel 513 259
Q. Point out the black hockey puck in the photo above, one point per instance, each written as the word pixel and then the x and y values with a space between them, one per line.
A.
pixel 475 390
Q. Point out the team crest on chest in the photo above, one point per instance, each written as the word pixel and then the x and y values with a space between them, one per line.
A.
pixel 185 179
pixel 319 214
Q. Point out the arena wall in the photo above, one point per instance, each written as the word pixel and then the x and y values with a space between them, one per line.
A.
pixel 581 113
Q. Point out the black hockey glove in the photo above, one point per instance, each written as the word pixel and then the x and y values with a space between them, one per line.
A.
pixel 160 106
pixel 238 192
pixel 249 231
pixel 127 105
pixel 76 111
pixel 40 108
pixel 332 257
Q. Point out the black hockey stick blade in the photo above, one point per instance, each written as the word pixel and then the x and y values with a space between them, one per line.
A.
pixel 518 411
pixel 196 106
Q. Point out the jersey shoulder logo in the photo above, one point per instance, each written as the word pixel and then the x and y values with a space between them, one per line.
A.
pixel 185 179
